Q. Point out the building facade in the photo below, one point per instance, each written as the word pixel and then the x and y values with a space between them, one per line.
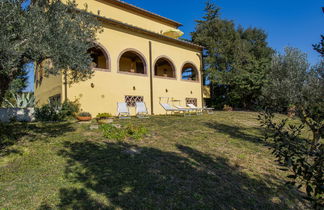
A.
pixel 138 57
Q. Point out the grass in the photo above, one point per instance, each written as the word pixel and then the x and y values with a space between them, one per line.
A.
pixel 199 162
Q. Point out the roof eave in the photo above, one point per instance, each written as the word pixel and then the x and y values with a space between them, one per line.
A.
pixel 144 12
pixel 150 33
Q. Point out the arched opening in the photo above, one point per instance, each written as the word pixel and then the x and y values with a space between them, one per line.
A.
pixel 100 59
pixel 189 72
pixel 164 68
pixel 132 62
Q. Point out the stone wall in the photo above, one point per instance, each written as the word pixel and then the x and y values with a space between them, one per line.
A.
pixel 25 115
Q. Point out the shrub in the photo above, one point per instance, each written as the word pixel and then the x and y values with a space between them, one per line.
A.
pixel 84 114
pixel 136 132
pixel 70 108
pixel 49 112
pixel 131 131
pixel 303 158
pixel 104 115
pixel 21 100
pixel 111 132
pixel 55 111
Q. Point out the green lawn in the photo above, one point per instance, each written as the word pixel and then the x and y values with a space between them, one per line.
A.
pixel 199 162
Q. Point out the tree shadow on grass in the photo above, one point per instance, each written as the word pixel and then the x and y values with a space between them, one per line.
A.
pixel 111 177
pixel 13 133
pixel 237 132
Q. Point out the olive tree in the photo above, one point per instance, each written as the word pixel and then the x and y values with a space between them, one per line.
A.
pixel 45 30
pixel 291 81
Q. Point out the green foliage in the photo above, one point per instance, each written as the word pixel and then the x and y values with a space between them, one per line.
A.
pixel 21 100
pixel 131 131
pixel 320 46
pixel 111 132
pixel 62 34
pixel 70 108
pixel 235 59
pixel 303 157
pixel 285 78
pixel 292 84
pixel 55 111
pixel 21 81
pixel 104 115
pixel 136 132
pixel 84 114
pixel 49 113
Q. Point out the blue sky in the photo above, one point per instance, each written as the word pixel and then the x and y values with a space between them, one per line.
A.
pixel 296 23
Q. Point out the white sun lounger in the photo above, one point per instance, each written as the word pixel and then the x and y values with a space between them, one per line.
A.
pixel 208 110
pixel 169 108
pixel 188 109
pixel 198 110
pixel 123 110
pixel 141 110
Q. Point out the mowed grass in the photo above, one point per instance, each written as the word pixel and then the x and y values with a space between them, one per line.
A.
pixel 200 162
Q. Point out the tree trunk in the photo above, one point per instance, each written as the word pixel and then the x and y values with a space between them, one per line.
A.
pixel 4 86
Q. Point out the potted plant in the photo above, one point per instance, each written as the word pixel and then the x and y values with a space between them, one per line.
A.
pixel 84 116
pixel 104 118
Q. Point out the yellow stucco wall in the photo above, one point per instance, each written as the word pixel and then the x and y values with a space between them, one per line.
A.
pixel 111 87
pixel 102 92
pixel 46 88
pixel 109 10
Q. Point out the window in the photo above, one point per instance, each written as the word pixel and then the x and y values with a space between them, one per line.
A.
pixel 132 62
pixel 100 59
pixel 164 68
pixel 189 72
pixel 55 99
pixel 131 100
pixel 192 101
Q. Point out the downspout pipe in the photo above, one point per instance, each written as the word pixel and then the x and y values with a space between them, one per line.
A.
pixel 151 77
pixel 202 69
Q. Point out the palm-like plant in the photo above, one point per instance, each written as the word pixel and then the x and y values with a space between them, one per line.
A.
pixel 21 100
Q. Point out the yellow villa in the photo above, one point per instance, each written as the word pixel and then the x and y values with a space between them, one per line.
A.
pixel 138 58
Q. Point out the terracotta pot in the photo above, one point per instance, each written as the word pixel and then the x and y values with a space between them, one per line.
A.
pixel 83 118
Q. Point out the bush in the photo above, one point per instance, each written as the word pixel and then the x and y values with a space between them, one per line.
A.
pixel 70 108
pixel 111 132
pixel 303 158
pixel 131 131
pixel 55 111
pixel 104 116
pixel 136 132
pixel 49 112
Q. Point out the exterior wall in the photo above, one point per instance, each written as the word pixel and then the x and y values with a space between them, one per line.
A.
pixel 175 89
pixel 109 10
pixel 47 87
pixel 102 92
pixel 108 86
